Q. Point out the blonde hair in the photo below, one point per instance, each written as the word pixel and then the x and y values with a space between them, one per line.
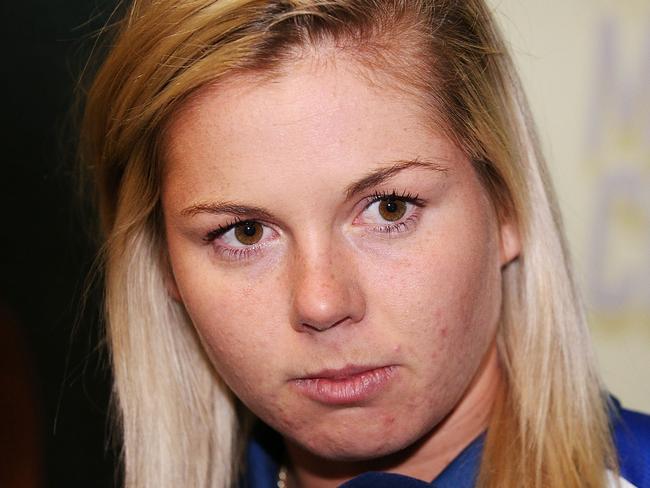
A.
pixel 179 421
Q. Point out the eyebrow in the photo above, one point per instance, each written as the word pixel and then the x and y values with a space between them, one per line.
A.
pixel 226 207
pixel 379 176
pixel 372 179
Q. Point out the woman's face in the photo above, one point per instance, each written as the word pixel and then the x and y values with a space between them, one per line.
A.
pixel 339 258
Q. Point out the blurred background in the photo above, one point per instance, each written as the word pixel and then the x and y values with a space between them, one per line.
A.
pixel 54 383
pixel 586 68
pixel 585 65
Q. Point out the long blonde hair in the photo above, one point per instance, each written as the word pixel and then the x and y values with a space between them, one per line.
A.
pixel 179 421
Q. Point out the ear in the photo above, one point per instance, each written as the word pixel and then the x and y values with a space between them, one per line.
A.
pixel 510 242
pixel 171 287
pixel 169 279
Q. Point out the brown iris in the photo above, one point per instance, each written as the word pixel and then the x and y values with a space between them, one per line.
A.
pixel 248 233
pixel 392 209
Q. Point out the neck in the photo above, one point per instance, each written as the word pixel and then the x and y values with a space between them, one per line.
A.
pixel 426 458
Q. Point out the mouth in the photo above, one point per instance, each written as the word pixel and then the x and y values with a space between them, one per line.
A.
pixel 349 385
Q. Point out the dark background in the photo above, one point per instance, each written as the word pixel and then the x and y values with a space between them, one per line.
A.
pixel 54 378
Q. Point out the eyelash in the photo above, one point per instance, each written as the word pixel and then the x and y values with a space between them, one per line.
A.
pixel 221 230
pixel 395 227
pixel 236 254
pixel 233 254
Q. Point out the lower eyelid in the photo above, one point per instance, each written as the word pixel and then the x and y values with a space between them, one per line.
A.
pixel 244 252
pixel 395 226
pixel 236 253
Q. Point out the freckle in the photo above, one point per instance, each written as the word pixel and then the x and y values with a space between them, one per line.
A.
pixel 389 420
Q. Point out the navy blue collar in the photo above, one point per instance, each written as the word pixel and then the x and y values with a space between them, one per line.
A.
pixel 460 473
pixel 263 459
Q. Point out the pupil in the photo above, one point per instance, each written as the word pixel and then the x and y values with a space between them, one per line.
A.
pixel 249 230
pixel 391 206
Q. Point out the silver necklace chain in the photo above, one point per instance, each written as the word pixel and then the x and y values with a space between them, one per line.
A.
pixel 282 477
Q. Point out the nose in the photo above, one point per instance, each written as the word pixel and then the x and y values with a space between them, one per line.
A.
pixel 326 292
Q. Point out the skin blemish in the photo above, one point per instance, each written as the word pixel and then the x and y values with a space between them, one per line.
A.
pixel 388 420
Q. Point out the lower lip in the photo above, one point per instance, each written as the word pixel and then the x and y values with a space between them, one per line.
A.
pixel 351 389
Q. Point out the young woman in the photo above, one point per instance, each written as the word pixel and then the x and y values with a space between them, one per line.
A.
pixel 333 255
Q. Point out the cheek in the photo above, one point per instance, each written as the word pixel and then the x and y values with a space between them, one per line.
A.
pixel 232 315
pixel 443 293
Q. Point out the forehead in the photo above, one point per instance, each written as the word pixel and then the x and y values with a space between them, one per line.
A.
pixel 318 120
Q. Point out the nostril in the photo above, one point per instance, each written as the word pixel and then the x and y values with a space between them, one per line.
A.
pixel 321 327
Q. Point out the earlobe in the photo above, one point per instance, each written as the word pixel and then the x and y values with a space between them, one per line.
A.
pixel 171 287
pixel 169 280
pixel 510 246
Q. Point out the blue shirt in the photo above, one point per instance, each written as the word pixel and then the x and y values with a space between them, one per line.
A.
pixel 631 437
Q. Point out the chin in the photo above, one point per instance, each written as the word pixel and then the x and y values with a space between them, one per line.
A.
pixel 357 453
pixel 356 446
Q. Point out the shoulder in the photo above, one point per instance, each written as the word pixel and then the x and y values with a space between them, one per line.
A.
pixel 632 440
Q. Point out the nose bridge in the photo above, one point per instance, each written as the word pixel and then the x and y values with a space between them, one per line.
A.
pixel 325 289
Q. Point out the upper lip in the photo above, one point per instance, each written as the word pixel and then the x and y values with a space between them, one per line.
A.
pixel 342 373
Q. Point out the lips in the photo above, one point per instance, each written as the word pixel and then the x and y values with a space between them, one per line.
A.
pixel 346 386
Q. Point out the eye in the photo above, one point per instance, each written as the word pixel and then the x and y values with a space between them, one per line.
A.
pixel 241 234
pixel 392 209
pixel 391 212
pixel 240 239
